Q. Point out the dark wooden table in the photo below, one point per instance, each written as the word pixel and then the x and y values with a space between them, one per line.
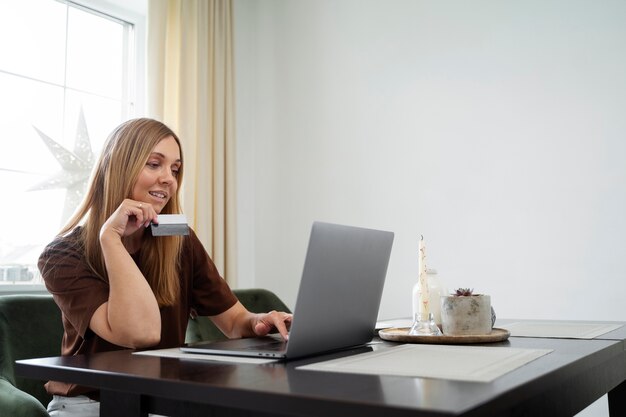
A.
pixel 561 383
pixel 617 334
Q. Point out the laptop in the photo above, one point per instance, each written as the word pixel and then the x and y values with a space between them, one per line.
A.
pixel 338 299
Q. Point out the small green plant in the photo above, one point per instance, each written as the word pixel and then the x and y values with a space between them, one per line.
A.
pixel 463 292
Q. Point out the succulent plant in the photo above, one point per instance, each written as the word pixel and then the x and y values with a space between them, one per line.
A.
pixel 463 292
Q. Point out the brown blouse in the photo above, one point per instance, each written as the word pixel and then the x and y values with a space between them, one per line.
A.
pixel 79 292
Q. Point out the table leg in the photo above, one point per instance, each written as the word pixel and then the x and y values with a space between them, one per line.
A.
pixel 115 404
pixel 617 400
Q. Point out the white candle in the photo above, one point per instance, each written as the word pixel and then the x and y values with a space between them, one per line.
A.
pixel 424 297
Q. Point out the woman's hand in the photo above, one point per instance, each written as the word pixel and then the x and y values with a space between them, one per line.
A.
pixel 237 322
pixel 129 217
pixel 274 320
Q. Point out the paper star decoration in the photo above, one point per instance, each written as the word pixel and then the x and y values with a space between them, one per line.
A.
pixel 75 167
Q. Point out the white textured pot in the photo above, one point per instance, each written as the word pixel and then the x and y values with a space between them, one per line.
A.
pixel 466 314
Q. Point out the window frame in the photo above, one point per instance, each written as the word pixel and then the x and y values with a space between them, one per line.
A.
pixel 133 12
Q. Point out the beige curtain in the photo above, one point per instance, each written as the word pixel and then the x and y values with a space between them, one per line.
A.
pixel 190 88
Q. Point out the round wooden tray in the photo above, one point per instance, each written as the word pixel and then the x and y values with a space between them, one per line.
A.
pixel 401 334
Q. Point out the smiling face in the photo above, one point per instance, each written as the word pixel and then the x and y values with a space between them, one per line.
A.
pixel 157 182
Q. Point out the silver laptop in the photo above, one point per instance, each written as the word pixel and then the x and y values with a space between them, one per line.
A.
pixel 338 299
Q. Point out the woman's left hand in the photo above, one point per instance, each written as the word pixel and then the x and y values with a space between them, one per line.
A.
pixel 237 322
pixel 274 320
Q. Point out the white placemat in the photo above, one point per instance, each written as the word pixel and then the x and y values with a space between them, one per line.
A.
pixel 559 329
pixel 177 353
pixel 463 363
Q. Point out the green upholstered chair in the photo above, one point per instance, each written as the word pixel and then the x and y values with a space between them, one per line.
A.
pixel 254 299
pixel 30 327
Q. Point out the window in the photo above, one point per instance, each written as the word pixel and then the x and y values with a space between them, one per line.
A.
pixel 67 77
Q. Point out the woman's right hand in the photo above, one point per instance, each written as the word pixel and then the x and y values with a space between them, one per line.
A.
pixel 129 217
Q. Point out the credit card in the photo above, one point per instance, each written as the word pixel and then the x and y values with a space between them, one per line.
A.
pixel 170 225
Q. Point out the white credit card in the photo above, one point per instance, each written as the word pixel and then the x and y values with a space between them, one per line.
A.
pixel 170 225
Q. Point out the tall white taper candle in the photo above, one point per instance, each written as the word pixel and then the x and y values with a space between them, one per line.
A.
pixel 424 297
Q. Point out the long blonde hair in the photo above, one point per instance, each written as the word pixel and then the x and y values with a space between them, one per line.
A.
pixel 124 155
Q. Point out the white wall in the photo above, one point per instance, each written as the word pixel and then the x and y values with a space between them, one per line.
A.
pixel 496 129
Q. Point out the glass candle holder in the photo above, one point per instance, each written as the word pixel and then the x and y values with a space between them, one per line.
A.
pixel 424 326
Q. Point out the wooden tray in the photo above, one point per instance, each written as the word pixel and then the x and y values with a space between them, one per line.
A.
pixel 401 334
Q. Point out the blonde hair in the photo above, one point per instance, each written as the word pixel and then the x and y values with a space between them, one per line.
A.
pixel 124 155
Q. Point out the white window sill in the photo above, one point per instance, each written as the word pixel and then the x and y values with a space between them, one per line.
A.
pixel 7 289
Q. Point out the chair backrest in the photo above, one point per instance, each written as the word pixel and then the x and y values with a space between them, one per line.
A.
pixel 254 299
pixel 30 327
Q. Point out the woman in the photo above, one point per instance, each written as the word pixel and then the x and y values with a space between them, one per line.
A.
pixel 117 285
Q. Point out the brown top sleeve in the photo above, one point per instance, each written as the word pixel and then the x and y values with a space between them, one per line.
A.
pixel 76 289
pixel 210 295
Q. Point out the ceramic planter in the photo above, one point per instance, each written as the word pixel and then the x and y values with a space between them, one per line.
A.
pixel 466 314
